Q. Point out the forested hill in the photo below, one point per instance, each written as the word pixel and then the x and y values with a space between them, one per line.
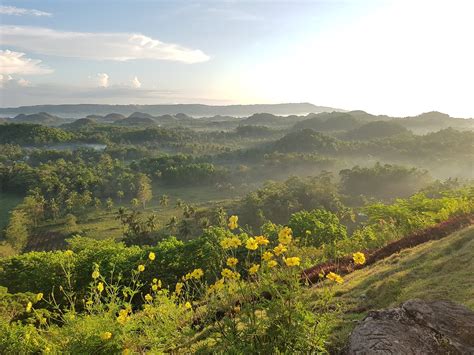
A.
pixel 83 110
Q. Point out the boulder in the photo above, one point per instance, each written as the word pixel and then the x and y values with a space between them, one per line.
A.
pixel 416 327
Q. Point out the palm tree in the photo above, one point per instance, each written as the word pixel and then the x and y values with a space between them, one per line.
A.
pixel 172 224
pixel 185 228
pixel 152 222
pixel 164 200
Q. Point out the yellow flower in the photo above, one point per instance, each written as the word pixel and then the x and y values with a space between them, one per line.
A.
pixel 251 244
pixel 188 305
pixel 267 256
pixel 231 243
pixel 100 287
pixel 28 307
pixel 68 253
pixel 233 222
pixel 151 256
pixel 123 316
pixel 141 268
pixel 89 302
pixel 254 269
pixel 178 288
pixel 148 297
pixel 261 240
pixel 155 280
pixel 95 274
pixel 335 277
pixel 159 284
pixel 106 335
pixel 279 249
pixel 272 263
pixel 229 274
pixel 39 297
pixel 232 261
pixel 197 274
pixel 285 236
pixel 359 258
pixel 293 261
pixel 218 285
pixel 154 287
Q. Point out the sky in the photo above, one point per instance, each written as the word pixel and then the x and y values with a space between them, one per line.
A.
pixel 396 57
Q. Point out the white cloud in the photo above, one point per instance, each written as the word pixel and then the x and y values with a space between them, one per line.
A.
pixel 136 83
pixel 16 63
pixel 102 80
pixel 100 46
pixel 7 81
pixel 18 11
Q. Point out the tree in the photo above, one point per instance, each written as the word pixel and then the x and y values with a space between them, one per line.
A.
pixel 109 204
pixel 54 208
pixel 179 203
pixel 134 202
pixel 97 203
pixel 144 193
pixel 152 222
pixel 120 195
pixel 164 200
pixel 172 224
pixel 17 229
pixel 71 222
pixel 34 208
pixel 317 227
pixel 185 228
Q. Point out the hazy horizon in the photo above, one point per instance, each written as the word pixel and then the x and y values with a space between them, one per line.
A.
pixel 399 58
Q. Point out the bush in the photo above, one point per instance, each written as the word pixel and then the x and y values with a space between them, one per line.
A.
pixel 317 227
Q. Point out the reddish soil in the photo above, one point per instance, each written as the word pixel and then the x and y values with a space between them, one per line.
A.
pixel 346 265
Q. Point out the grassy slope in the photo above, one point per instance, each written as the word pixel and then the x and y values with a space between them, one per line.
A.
pixel 442 269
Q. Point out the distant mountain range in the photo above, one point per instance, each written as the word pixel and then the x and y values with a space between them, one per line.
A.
pixel 194 110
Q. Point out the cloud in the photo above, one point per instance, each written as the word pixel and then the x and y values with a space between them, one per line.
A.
pixel 14 95
pixel 7 81
pixel 18 11
pixel 16 63
pixel 99 46
pixel 103 80
pixel 136 83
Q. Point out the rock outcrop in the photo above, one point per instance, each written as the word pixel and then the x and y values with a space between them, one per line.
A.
pixel 416 327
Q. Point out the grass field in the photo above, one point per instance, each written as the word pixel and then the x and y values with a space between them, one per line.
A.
pixel 436 270
pixel 7 202
pixel 102 224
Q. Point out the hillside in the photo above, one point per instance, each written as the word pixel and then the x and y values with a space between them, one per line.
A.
pixel 39 118
pixel 157 110
pixel 437 270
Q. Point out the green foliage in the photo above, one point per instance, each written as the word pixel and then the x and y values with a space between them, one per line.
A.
pixel 17 230
pixel 377 129
pixel 32 134
pixel 278 201
pixel 383 182
pixel 307 140
pixel 317 227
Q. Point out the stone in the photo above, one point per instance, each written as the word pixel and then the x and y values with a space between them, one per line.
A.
pixel 416 327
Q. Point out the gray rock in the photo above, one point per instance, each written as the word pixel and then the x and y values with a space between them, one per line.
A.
pixel 416 327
